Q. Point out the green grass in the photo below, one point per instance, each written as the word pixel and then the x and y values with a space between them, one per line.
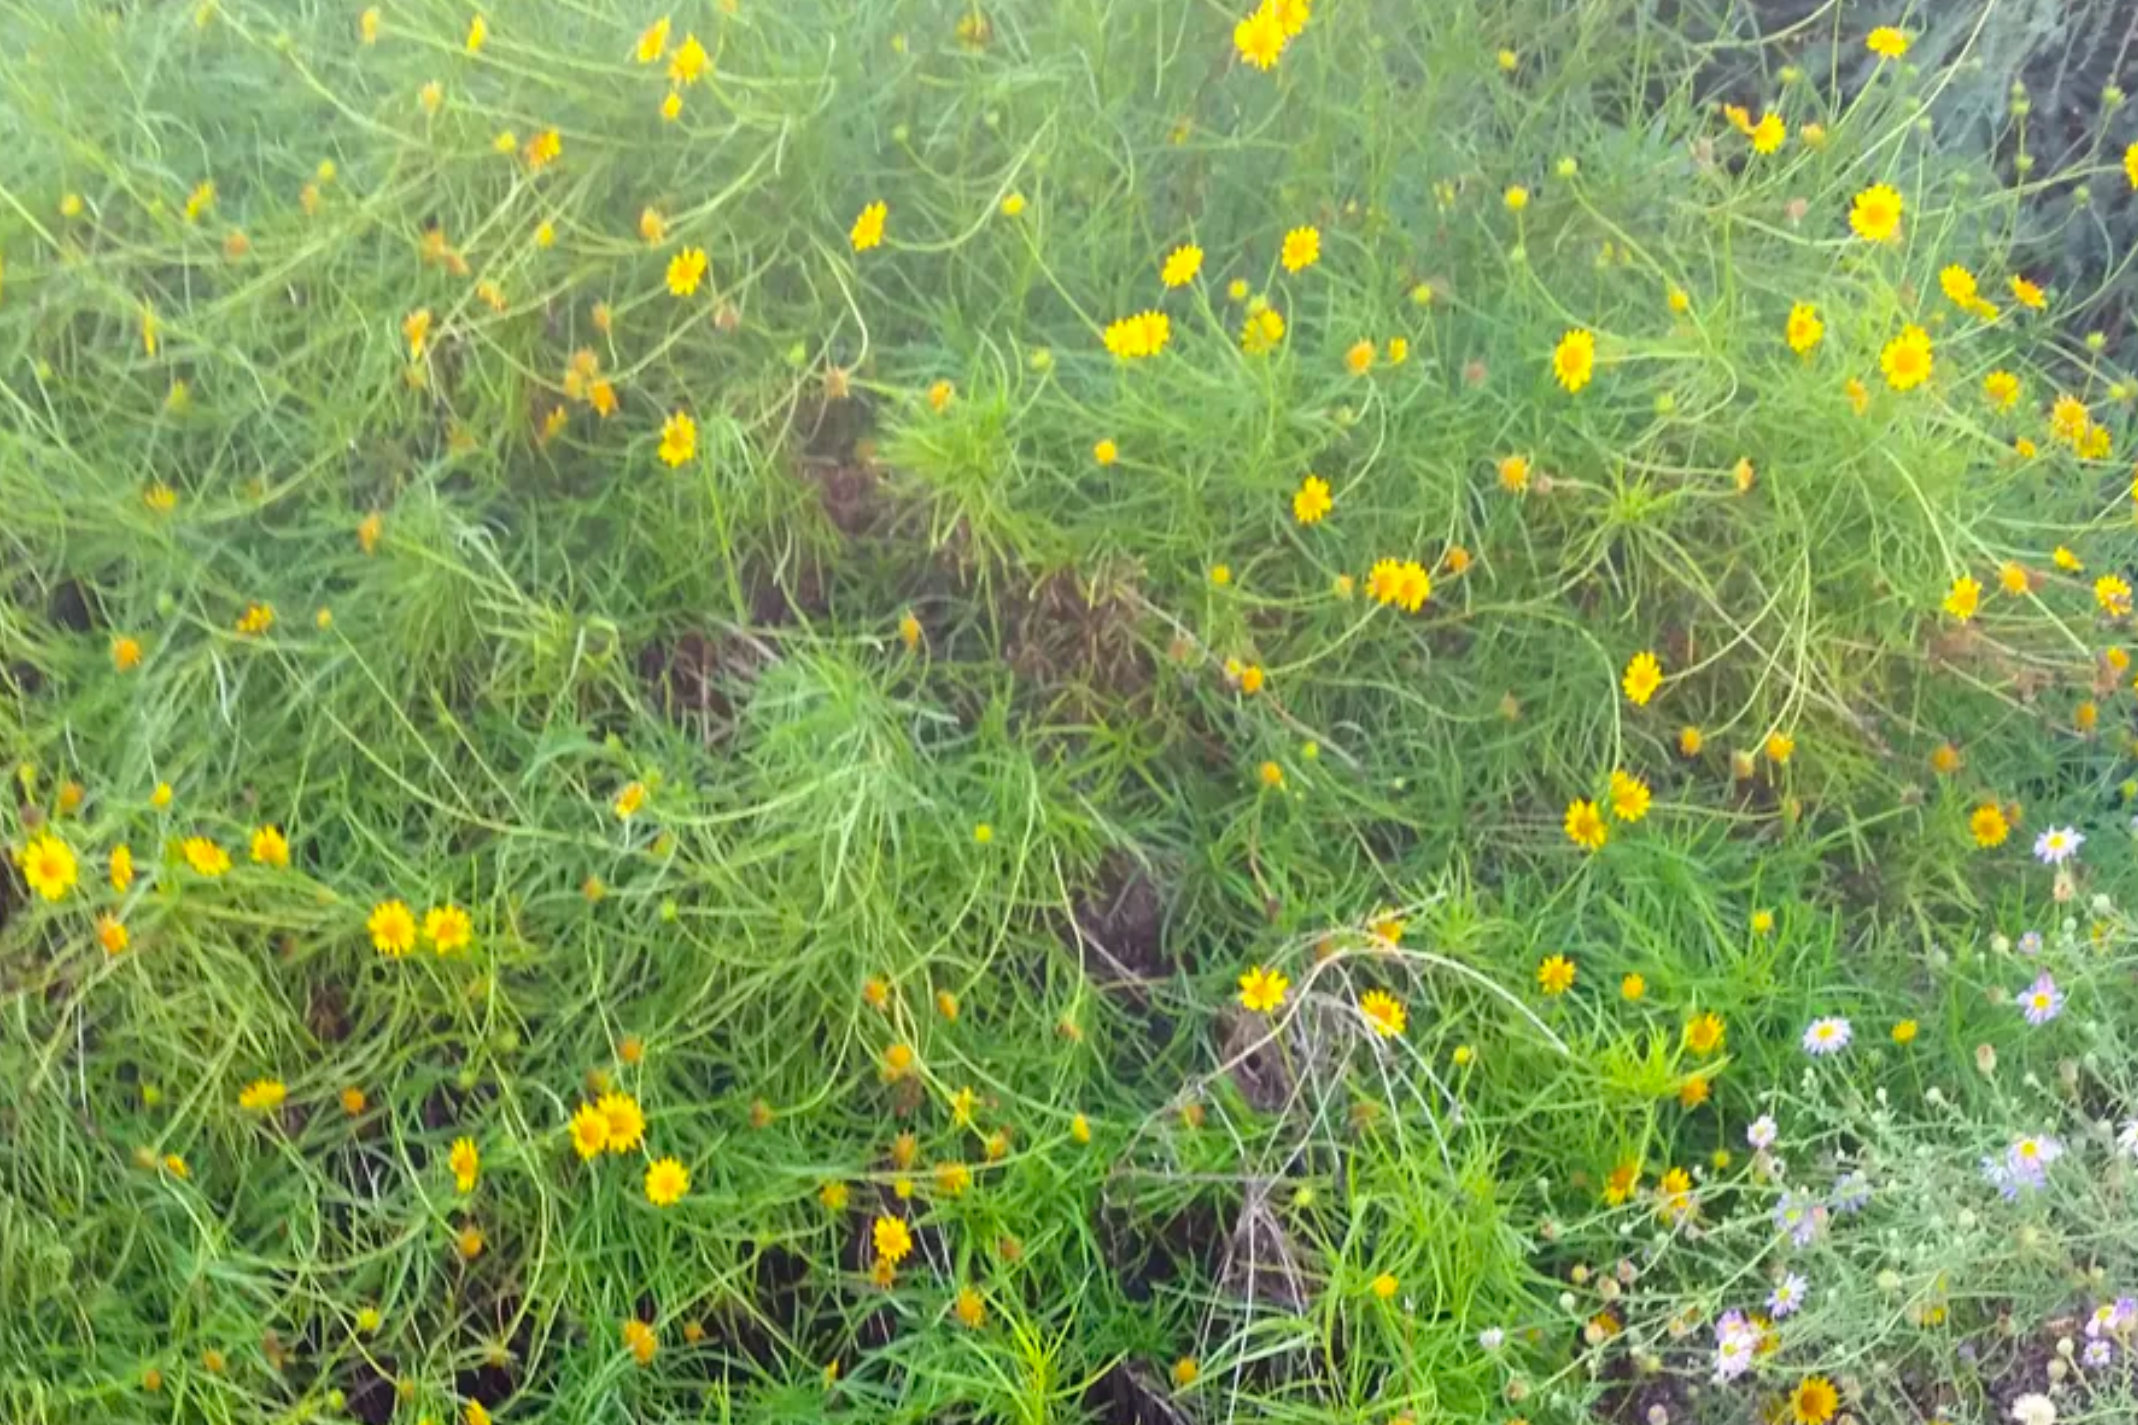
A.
pixel 1035 844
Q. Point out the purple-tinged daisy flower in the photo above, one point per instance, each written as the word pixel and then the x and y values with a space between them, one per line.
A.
pixel 2058 844
pixel 2030 943
pixel 1852 1192
pixel 1763 1132
pixel 2041 1001
pixel 1788 1297
pixel 1736 1342
pixel 1826 1036
pixel 1799 1217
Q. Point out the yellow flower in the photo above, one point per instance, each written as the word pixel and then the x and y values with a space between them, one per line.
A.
pixel 112 934
pixel 367 26
pixel 1302 249
pixel 652 42
pixel 1988 825
pixel 1621 1182
pixel 1398 350
pixel 1643 676
pixel 1516 198
pixel 666 1182
pixel 1815 1400
pixel 1959 286
pixel 48 866
pixel 1965 597
pixel 640 1340
pixel 1704 1034
pixel 1181 265
pixel 1311 502
pixel 1780 747
pixel 671 106
pixel 465 1162
pixel 2027 294
pixel 200 200
pixel 688 62
pixel 1514 474
pixel 685 270
pixel 1804 328
pixel 122 868
pixel 627 1122
pixel 1403 583
pixel 892 1240
pixel 1585 826
pixel 161 797
pixel 1859 397
pixel 590 1131
pixel 2130 164
pixel 1271 775
pixel 478 31
pixel 1905 1032
pixel 1886 42
pixel 1762 922
pixel 1574 359
pixel 262 1095
pixel 1292 15
pixel 393 928
pixel 679 439
pixel 432 97
pixel 1143 335
pixel 867 231
pixel 1674 1195
pixel 940 395
pixel 1907 359
pixel 1105 452
pixel 1629 797
pixel 204 856
pixel 1359 359
pixel 1769 134
pixel 2001 389
pixel 447 928
pixel 1690 740
pixel 1633 987
pixel 416 326
pixel 1260 37
pixel 1384 1286
pixel 629 800
pixel 2069 419
pixel 1555 975
pixel 1384 1013
pixel 2067 561
pixel 1012 205
pixel 1262 330
pixel 542 150
pixel 2012 577
pixel 1875 215
pixel 1262 990
pixel 270 847
pixel 1185 1371
pixel 256 620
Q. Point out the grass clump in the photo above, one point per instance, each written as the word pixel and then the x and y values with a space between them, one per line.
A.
pixel 1060 711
